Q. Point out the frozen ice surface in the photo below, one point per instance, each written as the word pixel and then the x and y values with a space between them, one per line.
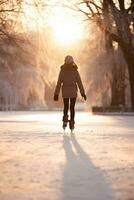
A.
pixel 38 161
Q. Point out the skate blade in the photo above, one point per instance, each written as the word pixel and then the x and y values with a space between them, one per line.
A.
pixel 64 126
pixel 72 130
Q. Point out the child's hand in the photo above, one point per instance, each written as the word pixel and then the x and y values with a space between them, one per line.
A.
pixel 84 97
pixel 55 97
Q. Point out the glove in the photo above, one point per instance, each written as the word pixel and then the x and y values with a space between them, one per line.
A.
pixel 84 97
pixel 55 97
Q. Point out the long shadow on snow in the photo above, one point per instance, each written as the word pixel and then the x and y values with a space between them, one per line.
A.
pixel 81 179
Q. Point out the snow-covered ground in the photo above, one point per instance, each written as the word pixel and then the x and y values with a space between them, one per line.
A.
pixel 38 161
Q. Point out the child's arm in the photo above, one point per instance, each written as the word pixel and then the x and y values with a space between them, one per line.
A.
pixel 58 85
pixel 80 85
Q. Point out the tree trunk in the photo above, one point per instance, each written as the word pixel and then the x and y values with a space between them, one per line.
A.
pixel 131 76
pixel 130 63
pixel 129 58
pixel 118 86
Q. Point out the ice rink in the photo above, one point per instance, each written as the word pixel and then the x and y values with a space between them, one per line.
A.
pixel 39 161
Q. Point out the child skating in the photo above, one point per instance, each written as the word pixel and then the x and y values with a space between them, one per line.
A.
pixel 69 79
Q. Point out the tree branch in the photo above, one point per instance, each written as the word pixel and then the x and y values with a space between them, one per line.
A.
pixel 121 4
pixel 131 8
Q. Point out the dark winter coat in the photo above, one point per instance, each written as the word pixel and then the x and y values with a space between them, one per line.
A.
pixel 69 79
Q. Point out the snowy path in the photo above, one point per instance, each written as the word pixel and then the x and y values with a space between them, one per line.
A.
pixel 39 162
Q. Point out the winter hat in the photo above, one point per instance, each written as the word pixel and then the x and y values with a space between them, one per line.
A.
pixel 69 59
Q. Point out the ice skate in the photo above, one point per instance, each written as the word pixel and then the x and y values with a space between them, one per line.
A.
pixel 71 125
pixel 65 121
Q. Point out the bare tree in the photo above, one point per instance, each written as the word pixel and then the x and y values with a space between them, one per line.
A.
pixel 116 21
pixel 12 35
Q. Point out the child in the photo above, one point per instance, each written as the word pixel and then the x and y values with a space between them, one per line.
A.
pixel 69 78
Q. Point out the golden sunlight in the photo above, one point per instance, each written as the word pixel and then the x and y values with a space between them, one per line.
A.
pixel 66 31
pixel 66 28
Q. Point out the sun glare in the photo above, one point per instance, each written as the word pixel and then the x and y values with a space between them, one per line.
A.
pixel 66 29
pixel 66 32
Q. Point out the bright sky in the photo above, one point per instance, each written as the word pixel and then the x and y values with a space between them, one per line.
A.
pixel 66 27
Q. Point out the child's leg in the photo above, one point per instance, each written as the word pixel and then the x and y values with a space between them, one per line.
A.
pixel 66 106
pixel 72 108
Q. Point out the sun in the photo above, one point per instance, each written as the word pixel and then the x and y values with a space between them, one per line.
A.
pixel 66 29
